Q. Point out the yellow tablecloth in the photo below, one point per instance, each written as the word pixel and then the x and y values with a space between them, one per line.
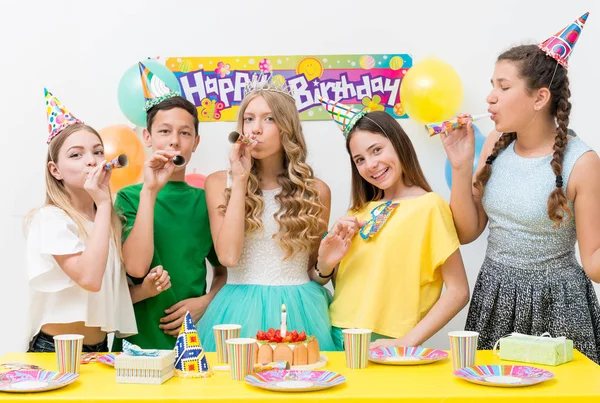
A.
pixel 577 381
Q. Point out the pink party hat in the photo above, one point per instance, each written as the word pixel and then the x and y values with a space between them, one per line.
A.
pixel 560 45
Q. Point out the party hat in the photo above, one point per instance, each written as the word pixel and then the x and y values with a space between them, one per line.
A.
pixel 59 117
pixel 560 45
pixel 190 359
pixel 345 116
pixel 155 90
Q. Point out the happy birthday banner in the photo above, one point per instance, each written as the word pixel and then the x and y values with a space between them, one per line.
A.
pixel 216 84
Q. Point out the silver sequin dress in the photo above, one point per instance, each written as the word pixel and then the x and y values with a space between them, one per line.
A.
pixel 530 281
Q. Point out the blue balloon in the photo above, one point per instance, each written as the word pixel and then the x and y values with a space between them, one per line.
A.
pixel 130 93
pixel 479 141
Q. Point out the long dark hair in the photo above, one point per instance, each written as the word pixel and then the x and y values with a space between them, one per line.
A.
pixel 540 71
pixel 385 125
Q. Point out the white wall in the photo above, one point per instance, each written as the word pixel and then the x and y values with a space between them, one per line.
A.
pixel 80 50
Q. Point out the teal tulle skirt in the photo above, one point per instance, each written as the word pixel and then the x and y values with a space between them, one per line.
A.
pixel 258 307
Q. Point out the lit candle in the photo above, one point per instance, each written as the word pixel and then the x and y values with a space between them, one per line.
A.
pixel 283 321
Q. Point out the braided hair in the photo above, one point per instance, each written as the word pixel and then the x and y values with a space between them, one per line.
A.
pixel 539 71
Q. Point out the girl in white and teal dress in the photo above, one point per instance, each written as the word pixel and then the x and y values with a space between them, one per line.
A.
pixel 267 217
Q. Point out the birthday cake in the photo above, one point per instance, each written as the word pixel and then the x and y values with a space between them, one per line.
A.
pixel 295 348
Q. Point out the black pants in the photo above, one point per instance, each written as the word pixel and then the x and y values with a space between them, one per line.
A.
pixel 44 343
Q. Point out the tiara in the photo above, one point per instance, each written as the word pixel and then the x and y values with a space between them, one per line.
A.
pixel 268 82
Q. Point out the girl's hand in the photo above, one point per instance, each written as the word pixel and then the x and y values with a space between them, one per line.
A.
pixel 336 243
pixel 459 144
pixel 240 159
pixel 97 184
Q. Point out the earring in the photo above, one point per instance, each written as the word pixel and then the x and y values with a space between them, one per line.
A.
pixel 537 108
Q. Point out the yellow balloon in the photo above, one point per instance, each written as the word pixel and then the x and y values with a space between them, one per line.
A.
pixel 431 91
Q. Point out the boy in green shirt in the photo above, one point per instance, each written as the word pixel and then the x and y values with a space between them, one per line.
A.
pixel 167 224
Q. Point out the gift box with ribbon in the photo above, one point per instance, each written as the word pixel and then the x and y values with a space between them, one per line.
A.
pixel 136 365
pixel 543 349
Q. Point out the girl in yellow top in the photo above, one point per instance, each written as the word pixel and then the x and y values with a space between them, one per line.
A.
pixel 397 248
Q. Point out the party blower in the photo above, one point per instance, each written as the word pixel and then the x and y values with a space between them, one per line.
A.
pixel 460 120
pixel 120 162
pixel 178 160
pixel 235 137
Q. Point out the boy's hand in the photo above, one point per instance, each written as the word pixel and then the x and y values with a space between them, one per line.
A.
pixel 158 169
pixel 171 324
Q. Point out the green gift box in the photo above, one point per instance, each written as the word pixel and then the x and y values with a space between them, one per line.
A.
pixel 544 349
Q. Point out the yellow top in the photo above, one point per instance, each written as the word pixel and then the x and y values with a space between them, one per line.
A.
pixel 389 282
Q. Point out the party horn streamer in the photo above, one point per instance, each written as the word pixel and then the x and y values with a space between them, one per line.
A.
pixel 437 128
pixel 120 162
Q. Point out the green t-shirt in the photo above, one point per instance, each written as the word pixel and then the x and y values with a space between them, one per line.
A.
pixel 182 243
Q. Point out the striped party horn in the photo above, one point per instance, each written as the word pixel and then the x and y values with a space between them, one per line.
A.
pixel 241 353
pixel 356 347
pixel 461 120
pixel 120 162
pixel 463 346
pixel 68 352
pixel 222 333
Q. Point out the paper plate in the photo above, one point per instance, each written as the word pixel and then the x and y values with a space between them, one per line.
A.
pixel 12 366
pixel 108 359
pixel 507 376
pixel 406 355
pixel 34 381
pixel 295 381
pixel 88 357
pixel 319 364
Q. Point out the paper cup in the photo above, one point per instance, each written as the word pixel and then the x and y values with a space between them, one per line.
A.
pixel 241 354
pixel 463 346
pixel 68 352
pixel 222 333
pixel 356 347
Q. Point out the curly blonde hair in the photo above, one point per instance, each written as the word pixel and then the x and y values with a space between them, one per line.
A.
pixel 300 208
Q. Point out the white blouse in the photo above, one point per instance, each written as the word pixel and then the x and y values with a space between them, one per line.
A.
pixel 55 297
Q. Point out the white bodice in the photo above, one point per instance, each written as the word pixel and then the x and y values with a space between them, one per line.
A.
pixel 261 261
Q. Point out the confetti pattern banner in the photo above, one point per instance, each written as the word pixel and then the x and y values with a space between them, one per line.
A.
pixel 216 84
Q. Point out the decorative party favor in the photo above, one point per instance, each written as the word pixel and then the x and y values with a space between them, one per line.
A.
pixel 120 162
pixel 379 216
pixel 345 116
pixel 542 349
pixel 560 45
pixel 155 90
pixel 59 117
pixel 178 160
pixel 190 360
pixel 136 365
pixel 460 120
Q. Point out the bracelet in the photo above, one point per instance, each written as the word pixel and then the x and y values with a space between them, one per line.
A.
pixel 319 273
